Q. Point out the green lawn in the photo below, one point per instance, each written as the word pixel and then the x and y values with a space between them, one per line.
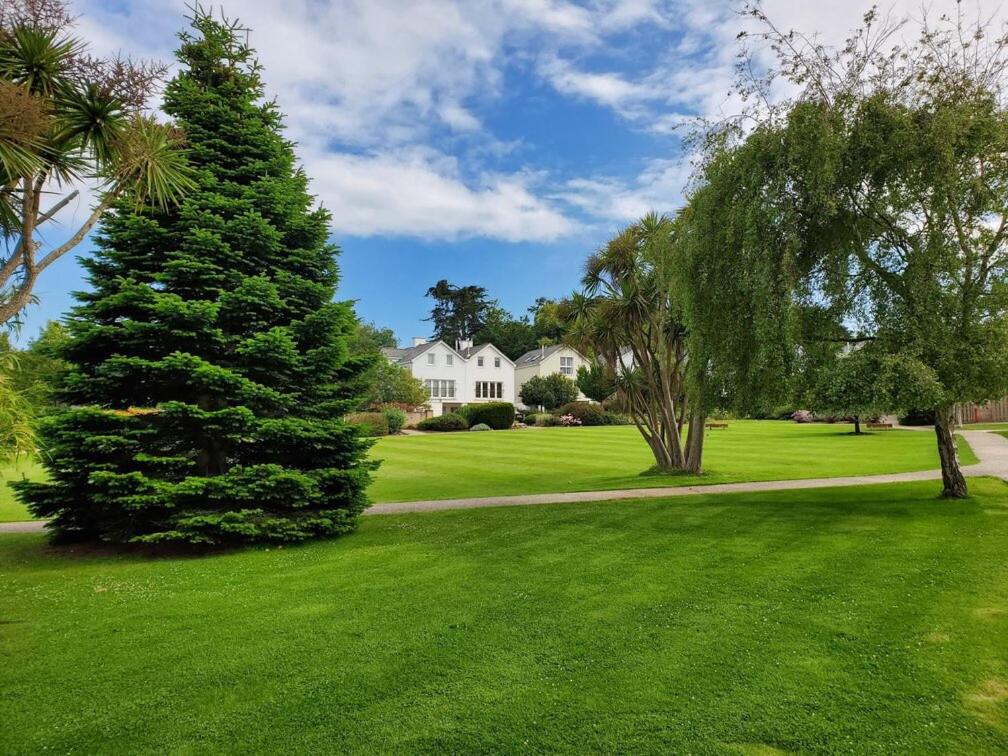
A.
pixel 547 460
pixel 870 619
pixel 986 426
pixel 10 509
pixel 452 465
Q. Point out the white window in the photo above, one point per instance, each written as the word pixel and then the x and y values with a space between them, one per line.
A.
pixel 489 390
pixel 496 361
pixel 438 389
pixel 567 365
pixel 479 361
pixel 449 359
pixel 430 358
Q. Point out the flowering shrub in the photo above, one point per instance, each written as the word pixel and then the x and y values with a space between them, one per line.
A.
pixel 569 420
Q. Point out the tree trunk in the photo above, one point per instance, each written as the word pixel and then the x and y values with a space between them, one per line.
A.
pixel 695 441
pixel 953 481
pixel 857 425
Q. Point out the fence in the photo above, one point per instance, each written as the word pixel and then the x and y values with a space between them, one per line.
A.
pixel 991 412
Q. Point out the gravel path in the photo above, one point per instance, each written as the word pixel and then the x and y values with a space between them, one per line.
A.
pixel 990 448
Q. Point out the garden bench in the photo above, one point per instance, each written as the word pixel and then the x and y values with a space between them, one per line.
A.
pixel 717 425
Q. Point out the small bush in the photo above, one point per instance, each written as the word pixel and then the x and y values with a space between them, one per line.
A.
pixel 614 418
pixel 450 421
pixel 802 416
pixel 586 412
pixel 543 419
pixel 395 417
pixel 498 415
pixel 480 427
pixel 370 423
pixel 918 417
pixel 569 421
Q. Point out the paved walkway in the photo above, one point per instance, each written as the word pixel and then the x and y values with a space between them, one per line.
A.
pixel 990 448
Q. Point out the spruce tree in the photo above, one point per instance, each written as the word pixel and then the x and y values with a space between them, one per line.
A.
pixel 210 366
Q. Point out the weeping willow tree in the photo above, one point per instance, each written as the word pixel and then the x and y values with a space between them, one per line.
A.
pixel 877 198
pixel 629 317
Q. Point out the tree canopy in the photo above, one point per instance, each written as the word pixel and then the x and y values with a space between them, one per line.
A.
pixel 629 316
pixel 67 118
pixel 209 363
pixel 876 198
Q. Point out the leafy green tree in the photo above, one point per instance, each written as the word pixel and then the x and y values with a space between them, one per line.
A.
pixel 369 337
pixel 629 316
pixel 40 368
pixel 66 117
pixel 459 311
pixel 596 381
pixel 548 322
pixel 513 336
pixel 209 362
pixel 864 383
pixel 389 383
pixel 878 193
pixel 549 392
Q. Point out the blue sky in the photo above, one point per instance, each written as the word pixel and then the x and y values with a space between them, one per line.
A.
pixel 489 142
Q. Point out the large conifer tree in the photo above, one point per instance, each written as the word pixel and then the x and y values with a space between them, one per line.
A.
pixel 210 363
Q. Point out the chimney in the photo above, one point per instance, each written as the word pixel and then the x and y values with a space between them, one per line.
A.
pixel 464 344
pixel 419 341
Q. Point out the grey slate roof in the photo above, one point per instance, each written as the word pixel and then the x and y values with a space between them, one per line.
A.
pixel 470 351
pixel 405 356
pixel 537 355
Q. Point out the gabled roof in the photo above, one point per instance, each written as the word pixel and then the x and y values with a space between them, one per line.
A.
pixel 472 351
pixel 538 355
pixel 406 356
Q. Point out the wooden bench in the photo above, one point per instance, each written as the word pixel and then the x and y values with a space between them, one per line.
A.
pixel 716 425
pixel 879 426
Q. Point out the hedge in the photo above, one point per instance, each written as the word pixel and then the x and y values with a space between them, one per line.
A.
pixel 586 412
pixel 370 423
pixel 396 418
pixel 498 415
pixel 450 421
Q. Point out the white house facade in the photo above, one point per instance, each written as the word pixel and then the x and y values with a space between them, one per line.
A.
pixel 453 377
pixel 491 374
pixel 546 361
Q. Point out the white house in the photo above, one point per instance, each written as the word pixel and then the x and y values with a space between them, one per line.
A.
pixel 441 369
pixel 491 374
pixel 546 361
pixel 453 377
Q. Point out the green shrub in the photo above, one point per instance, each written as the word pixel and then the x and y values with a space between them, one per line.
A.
pixel 395 417
pixel 615 418
pixel 370 423
pixel 498 415
pixel 480 427
pixel 449 421
pixel 544 419
pixel 586 412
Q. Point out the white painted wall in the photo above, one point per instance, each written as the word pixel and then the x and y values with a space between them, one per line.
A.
pixel 546 367
pixel 490 371
pixel 448 365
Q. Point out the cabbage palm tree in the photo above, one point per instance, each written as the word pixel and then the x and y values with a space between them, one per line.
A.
pixel 68 120
pixel 627 316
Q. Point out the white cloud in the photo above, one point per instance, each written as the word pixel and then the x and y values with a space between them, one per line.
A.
pixel 658 188
pixel 378 93
pixel 421 194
